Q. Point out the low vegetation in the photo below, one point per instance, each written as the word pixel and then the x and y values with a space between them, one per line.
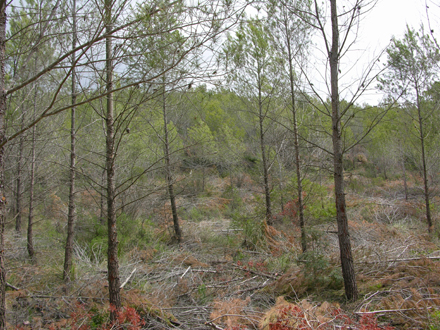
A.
pixel 233 271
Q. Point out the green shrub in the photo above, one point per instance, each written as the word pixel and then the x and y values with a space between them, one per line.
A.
pixel 202 294
pixel 319 273
pixel 347 164
pixel 370 170
pixel 319 207
pixel 131 233
pixel 281 263
pixel 367 212
pixel 194 214
pixel 378 181
pixel 235 205
pixel 434 321
pixel 252 231
pixel 251 161
pixel 356 186
pixel 321 212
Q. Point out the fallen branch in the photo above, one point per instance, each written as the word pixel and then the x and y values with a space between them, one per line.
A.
pixel 224 283
pixel 213 325
pixel 64 297
pixel 396 260
pixel 128 278
pixel 12 287
pixel 256 273
pixel 417 258
pixel 161 277
pixel 186 271
pixel 257 287
pixel 226 230
pixel 388 311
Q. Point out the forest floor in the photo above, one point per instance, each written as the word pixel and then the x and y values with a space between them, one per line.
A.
pixel 238 273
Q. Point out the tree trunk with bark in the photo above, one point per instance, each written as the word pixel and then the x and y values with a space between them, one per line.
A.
pixel 112 257
pixel 3 19
pixel 347 264
pixel 405 183
pixel 102 212
pixel 424 167
pixel 266 186
pixel 299 189
pixel 71 217
pixel 169 176
pixel 30 233
pixel 18 192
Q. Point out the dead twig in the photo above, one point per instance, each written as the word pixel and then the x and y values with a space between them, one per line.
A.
pixel 213 325
pixel 395 260
pixel 382 311
pixel 257 287
pixel 186 271
pixel 12 287
pixel 256 273
pixel 128 278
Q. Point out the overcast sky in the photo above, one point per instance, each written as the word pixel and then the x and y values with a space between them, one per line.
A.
pixel 387 19
pixel 390 17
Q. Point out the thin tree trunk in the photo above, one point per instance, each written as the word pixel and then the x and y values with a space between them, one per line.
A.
pixel 341 215
pixel 203 178
pixel 265 178
pixel 264 159
pixel 30 234
pixel 3 19
pixel 71 217
pixel 425 174
pixel 18 194
pixel 405 183
pixel 103 194
pixel 299 188
pixel 177 230
pixel 280 170
pixel 112 259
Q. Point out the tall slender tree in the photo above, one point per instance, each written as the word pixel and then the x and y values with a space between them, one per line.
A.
pixel 112 253
pixel 412 70
pixel 71 216
pixel 337 40
pixel 334 55
pixel 168 165
pixel 3 17
pixel 253 75
pixel 292 35
pixel 30 229
pixel 19 183
pixel 169 70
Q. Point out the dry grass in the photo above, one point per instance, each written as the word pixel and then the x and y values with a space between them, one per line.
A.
pixel 306 314
pixel 233 312
pixel 211 279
